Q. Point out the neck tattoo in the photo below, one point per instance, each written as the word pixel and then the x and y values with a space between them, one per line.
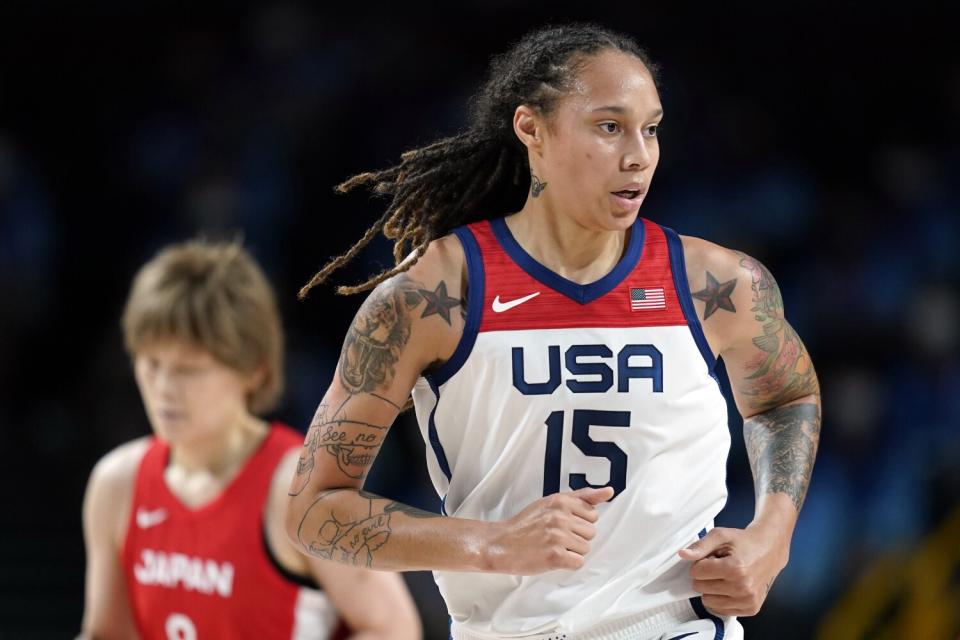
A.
pixel 536 187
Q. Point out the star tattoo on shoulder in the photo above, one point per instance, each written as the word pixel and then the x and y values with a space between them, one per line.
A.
pixel 716 295
pixel 438 302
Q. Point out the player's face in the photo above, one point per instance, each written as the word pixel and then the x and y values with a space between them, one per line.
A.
pixel 601 148
pixel 189 395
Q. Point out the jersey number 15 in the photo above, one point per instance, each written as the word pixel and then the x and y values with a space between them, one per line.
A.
pixel 583 419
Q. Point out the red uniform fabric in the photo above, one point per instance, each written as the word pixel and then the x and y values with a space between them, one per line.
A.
pixel 205 573
pixel 508 281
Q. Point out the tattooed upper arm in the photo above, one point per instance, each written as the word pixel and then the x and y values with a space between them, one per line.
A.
pixel 405 325
pixel 772 377
pixel 741 310
pixel 768 364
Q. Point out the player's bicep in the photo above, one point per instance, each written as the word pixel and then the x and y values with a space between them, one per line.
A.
pixel 393 338
pixel 106 611
pixel 767 362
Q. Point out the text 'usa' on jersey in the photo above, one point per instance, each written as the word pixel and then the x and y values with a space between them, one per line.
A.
pixel 556 386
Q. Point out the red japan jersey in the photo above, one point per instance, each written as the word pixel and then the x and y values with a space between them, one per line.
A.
pixel 206 573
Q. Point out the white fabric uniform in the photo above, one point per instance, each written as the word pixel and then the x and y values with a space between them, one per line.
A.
pixel 556 386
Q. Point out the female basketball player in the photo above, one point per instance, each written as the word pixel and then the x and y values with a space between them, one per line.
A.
pixel 559 350
pixel 184 530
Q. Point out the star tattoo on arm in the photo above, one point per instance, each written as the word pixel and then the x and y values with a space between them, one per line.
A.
pixel 438 302
pixel 716 295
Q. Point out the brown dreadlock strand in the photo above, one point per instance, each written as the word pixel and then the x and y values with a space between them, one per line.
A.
pixel 482 173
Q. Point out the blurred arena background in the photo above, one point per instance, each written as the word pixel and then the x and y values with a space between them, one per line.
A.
pixel 819 137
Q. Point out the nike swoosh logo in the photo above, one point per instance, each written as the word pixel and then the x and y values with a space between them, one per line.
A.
pixel 500 307
pixel 684 635
pixel 147 519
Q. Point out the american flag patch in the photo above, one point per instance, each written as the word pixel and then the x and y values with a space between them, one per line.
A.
pixel 647 299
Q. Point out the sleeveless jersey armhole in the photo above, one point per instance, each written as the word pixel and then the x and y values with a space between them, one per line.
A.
pixel 307 581
pixel 475 297
pixel 679 268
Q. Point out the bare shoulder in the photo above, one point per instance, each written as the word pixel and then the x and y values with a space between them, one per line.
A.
pixel 110 488
pixel 118 467
pixel 418 315
pixel 730 289
pixel 701 255
pixel 444 261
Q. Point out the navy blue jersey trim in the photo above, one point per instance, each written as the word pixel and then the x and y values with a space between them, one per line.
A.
pixel 582 293
pixel 703 614
pixel 679 268
pixel 434 436
pixel 475 293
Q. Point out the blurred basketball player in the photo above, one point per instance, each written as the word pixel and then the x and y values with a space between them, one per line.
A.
pixel 184 529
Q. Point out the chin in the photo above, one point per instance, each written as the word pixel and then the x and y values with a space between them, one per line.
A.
pixel 621 220
pixel 171 431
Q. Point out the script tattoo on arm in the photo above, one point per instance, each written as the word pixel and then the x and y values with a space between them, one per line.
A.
pixel 782 444
pixel 351 534
pixel 353 443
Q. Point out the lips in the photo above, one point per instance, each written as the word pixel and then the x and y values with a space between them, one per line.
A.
pixel 630 191
pixel 169 414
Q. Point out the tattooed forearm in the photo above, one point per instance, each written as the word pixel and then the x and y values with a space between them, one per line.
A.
pixel 781 370
pixel 782 444
pixel 350 525
pixel 353 443
pixel 381 330
pixel 716 295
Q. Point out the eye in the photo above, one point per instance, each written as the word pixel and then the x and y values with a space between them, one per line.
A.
pixel 651 131
pixel 610 127
pixel 188 370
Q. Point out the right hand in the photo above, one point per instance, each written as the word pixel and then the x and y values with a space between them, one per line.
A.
pixel 553 532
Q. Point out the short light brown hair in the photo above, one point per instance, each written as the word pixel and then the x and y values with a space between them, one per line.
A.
pixel 214 296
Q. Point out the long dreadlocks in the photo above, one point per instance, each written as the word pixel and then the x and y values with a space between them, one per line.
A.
pixel 483 172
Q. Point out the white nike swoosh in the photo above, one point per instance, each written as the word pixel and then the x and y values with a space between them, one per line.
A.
pixel 147 519
pixel 500 307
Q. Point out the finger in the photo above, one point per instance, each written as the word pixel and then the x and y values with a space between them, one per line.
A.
pixel 584 510
pixel 584 530
pixel 715 540
pixel 577 545
pixel 714 568
pixel 570 560
pixel 716 588
pixel 725 605
pixel 594 496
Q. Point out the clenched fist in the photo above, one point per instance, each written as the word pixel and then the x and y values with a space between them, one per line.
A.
pixel 553 532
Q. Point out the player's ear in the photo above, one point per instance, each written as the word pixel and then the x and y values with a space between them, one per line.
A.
pixel 529 126
pixel 255 379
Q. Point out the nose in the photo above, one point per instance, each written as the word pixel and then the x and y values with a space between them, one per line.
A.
pixel 165 383
pixel 638 154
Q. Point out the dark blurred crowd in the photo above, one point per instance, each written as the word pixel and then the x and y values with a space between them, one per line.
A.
pixel 822 141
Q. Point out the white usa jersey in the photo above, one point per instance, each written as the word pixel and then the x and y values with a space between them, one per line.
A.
pixel 557 386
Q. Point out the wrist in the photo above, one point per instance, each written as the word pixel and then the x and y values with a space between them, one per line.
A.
pixel 487 550
pixel 774 521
